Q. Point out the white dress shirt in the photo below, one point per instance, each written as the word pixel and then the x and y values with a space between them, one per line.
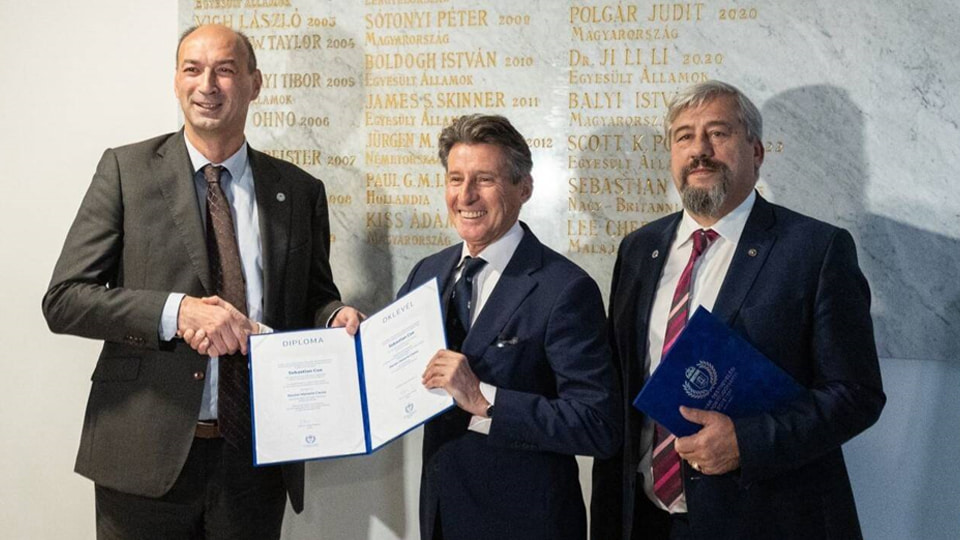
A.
pixel 497 255
pixel 237 184
pixel 708 274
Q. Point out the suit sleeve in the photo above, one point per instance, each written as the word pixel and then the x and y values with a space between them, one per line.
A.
pixel 408 284
pixel 846 396
pixel 584 417
pixel 606 500
pixel 86 296
pixel 324 296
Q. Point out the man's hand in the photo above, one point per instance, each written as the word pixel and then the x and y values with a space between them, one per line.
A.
pixel 348 318
pixel 212 326
pixel 713 449
pixel 451 371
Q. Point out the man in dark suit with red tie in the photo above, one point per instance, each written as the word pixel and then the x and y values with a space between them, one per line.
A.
pixel 787 283
pixel 528 362
pixel 183 246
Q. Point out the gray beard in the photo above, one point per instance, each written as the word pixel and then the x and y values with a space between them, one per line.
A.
pixel 705 202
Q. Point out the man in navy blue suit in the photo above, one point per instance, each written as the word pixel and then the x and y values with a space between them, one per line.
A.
pixel 791 286
pixel 525 327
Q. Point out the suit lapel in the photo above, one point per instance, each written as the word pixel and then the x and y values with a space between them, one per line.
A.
pixel 756 242
pixel 175 176
pixel 274 213
pixel 514 286
pixel 444 274
pixel 648 277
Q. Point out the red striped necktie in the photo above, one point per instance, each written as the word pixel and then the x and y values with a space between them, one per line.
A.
pixel 667 481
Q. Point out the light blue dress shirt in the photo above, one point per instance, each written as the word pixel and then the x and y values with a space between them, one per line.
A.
pixel 237 184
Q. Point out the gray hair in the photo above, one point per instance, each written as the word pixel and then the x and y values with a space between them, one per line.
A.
pixel 251 56
pixel 489 129
pixel 698 94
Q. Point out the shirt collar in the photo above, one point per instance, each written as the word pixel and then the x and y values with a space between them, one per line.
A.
pixel 729 227
pixel 235 164
pixel 498 253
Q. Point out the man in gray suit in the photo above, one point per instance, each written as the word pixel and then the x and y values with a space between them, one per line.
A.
pixel 183 246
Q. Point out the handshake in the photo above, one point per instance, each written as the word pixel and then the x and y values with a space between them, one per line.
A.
pixel 213 326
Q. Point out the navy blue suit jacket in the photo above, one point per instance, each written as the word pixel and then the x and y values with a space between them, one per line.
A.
pixel 540 340
pixel 795 291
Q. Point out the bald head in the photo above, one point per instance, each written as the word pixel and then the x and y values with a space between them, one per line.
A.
pixel 245 43
pixel 215 82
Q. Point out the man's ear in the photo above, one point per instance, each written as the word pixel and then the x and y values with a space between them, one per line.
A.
pixel 758 153
pixel 526 188
pixel 257 83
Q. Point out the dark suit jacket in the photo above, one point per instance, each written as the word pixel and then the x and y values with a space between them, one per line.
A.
pixel 539 339
pixel 138 236
pixel 795 291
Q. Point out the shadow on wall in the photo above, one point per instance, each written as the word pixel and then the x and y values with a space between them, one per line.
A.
pixel 345 496
pixel 628 205
pixel 912 451
pixel 358 497
pixel 823 172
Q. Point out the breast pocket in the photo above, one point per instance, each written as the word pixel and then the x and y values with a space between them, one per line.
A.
pixel 518 363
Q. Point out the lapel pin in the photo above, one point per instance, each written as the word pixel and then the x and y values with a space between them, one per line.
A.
pixel 752 252
pixel 281 197
pixel 655 254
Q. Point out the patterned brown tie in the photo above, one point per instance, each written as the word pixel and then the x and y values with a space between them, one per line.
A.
pixel 233 396
pixel 667 482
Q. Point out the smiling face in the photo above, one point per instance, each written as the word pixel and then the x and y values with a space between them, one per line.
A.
pixel 714 164
pixel 214 84
pixel 482 199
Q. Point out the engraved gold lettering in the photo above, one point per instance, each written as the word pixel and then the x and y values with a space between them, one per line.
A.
pixel 470 100
pixel 379 139
pixel 384 220
pixel 371 119
pixel 595 100
pixel 594 143
pixel 398 100
pixel 427 60
pixel 618 13
pixel 581 227
pixel 398 19
pixel 676 12
pixel 456 18
pixel 468 59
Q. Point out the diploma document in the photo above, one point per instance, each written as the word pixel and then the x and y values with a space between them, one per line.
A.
pixel 710 367
pixel 323 393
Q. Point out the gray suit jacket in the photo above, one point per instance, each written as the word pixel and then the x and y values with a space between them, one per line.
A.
pixel 138 236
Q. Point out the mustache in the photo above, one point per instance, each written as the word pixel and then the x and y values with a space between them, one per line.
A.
pixel 703 162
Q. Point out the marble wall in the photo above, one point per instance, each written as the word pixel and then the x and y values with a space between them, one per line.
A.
pixel 859 129
pixel 856 111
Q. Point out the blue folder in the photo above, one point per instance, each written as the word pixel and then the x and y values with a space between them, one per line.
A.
pixel 710 367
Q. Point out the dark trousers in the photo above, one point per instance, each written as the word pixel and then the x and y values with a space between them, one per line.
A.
pixel 652 523
pixel 218 495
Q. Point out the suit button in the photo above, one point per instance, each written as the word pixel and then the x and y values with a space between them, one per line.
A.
pixel 199 375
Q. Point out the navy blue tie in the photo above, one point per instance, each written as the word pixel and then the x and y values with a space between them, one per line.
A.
pixel 458 311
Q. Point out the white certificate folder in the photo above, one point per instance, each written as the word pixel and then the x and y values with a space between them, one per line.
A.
pixel 323 393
